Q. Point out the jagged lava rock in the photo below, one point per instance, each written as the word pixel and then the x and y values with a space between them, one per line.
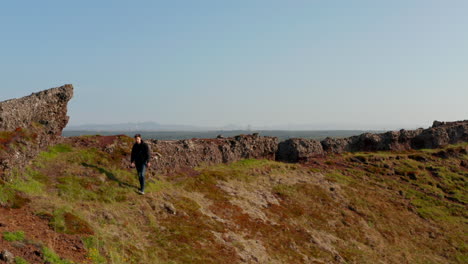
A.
pixel 439 135
pixel 336 145
pixel 298 149
pixel 30 124
pixel 194 152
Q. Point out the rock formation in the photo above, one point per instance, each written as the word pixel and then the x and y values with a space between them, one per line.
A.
pixel 439 135
pixel 47 108
pixel 182 154
pixel 30 124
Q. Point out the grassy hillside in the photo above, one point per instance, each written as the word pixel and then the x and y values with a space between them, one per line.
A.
pixel 383 207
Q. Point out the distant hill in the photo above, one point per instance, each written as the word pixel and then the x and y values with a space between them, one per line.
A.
pixel 177 135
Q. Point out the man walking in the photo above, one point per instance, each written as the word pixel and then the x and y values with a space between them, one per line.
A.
pixel 140 159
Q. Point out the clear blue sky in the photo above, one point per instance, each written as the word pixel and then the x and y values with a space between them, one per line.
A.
pixel 331 64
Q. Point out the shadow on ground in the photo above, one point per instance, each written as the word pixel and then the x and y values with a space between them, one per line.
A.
pixel 109 175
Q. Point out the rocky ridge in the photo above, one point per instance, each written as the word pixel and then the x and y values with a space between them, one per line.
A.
pixel 172 155
pixel 31 123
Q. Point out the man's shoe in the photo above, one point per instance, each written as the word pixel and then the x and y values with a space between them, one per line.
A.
pixel 141 192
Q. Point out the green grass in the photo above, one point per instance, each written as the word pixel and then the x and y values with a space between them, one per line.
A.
pixel 93 245
pixel 13 236
pixel 343 207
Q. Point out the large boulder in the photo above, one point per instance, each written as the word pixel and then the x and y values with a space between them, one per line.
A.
pixel 298 149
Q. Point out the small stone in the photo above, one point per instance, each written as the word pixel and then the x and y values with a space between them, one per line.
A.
pixel 169 208
pixel 352 208
pixel 18 244
pixel 412 175
pixel 464 163
pixel 107 216
pixel 7 256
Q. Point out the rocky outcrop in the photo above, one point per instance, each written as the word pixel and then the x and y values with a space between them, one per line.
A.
pixel 173 155
pixel 47 108
pixel 439 135
pixel 31 123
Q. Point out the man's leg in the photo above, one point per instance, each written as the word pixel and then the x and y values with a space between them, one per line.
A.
pixel 141 177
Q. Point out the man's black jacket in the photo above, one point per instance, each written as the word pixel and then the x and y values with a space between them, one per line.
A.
pixel 141 154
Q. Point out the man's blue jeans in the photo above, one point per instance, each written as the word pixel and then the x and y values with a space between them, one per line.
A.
pixel 141 176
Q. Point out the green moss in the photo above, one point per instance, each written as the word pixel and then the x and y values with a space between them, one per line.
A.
pixel 435 209
pixel 244 170
pixel 13 236
pixel 6 194
pixel 29 186
pixel 90 156
pixel 158 186
pixel 339 177
pixel 20 260
pixel 55 151
pixel 12 198
pixel 284 190
pixel 52 257
pixel 76 188
pixel 248 164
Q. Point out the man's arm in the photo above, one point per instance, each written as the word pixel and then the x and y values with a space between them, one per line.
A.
pixel 148 155
pixel 132 157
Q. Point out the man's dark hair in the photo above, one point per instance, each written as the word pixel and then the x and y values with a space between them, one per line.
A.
pixel 137 135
